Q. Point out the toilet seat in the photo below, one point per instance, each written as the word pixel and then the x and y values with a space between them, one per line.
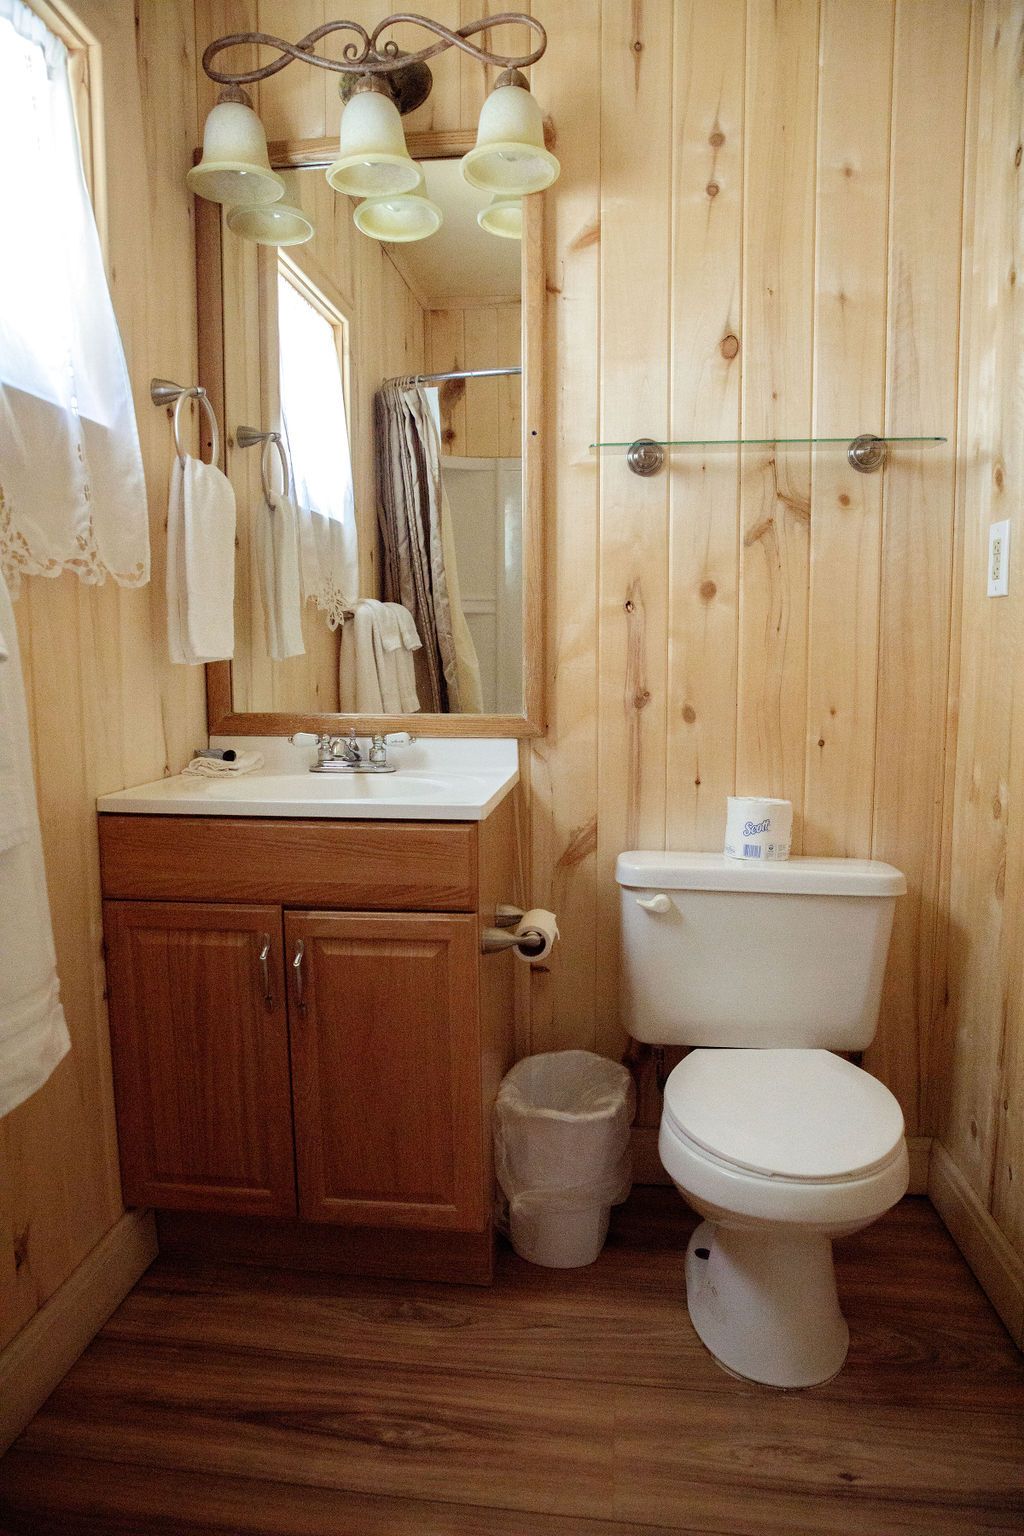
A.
pixel 800 1116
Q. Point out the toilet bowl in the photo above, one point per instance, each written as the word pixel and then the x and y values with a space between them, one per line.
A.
pixel 778 1142
pixel 781 1151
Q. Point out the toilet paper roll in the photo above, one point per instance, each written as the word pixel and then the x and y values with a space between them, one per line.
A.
pixel 539 929
pixel 758 828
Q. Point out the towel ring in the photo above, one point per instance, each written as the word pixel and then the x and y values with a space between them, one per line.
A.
pixel 267 467
pixel 248 437
pixel 166 392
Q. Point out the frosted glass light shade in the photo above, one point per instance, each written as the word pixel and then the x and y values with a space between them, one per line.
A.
pixel 509 156
pixel 372 158
pixel 234 168
pixel 271 223
pixel 398 220
pixel 503 216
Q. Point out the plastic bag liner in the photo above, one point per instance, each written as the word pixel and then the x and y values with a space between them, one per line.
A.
pixel 561 1150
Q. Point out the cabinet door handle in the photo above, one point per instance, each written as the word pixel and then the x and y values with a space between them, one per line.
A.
pixel 300 950
pixel 264 959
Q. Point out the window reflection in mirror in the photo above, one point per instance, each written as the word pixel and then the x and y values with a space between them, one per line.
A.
pixel 405 488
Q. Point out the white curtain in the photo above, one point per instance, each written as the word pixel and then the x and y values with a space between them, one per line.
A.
pixel 72 493
pixel 316 436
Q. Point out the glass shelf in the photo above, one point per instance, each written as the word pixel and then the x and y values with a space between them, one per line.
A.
pixel 758 442
pixel 865 451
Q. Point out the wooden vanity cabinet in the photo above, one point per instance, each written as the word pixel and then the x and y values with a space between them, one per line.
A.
pixel 351 1089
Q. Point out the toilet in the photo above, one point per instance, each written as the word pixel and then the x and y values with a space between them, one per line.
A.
pixel 780 1144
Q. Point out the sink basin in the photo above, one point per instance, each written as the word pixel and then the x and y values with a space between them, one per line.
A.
pixel 356 787
pixel 410 794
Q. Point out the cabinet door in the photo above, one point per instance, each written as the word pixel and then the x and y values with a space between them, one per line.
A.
pixel 386 1069
pixel 200 1051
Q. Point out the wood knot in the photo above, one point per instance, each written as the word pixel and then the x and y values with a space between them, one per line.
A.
pixel 638 46
pixel 641 698
pixel 1018 155
pixel 708 590
pixel 997 807
pixel 999 477
pixel 729 346
pixel 629 605
pixel 847 171
pixel 689 713
pixel 821 741
pixel 716 139
pixel 712 189
pixel 844 500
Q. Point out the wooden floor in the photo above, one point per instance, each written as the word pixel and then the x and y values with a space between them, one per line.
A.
pixel 574 1403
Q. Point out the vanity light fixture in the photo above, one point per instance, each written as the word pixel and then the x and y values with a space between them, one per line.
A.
pixel 235 167
pixel 503 216
pixel 509 157
pixel 281 223
pixel 399 219
pixel 379 85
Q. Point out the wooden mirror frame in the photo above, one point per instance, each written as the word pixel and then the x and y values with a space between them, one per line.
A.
pixel 222 720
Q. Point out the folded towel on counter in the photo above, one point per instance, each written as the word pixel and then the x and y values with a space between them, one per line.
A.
pixel 200 563
pixel 277 558
pixel 33 1032
pixel 216 767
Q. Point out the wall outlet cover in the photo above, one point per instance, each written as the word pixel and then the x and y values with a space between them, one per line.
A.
pixel 999 559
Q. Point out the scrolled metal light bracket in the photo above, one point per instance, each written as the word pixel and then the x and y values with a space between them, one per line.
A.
pixel 406 75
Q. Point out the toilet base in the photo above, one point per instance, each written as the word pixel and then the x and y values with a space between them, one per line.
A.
pixel 764 1302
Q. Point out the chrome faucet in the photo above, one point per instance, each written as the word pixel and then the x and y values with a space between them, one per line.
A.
pixel 341 754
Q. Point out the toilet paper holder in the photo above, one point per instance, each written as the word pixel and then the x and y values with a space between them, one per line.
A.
pixel 502 935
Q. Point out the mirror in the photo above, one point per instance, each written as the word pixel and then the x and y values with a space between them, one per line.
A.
pixel 400 377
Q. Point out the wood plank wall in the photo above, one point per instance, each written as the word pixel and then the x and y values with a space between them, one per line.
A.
pixel 977 1080
pixel 106 707
pixel 480 418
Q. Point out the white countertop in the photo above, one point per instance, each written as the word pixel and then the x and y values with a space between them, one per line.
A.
pixel 435 781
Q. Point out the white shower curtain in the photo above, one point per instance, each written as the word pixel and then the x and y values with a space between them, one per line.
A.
pixel 33 1034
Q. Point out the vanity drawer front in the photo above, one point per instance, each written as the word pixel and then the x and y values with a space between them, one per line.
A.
pixel 363 865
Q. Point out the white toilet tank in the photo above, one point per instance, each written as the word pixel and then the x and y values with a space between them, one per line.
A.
pixel 728 952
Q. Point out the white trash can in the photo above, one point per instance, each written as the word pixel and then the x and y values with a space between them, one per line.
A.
pixel 561 1150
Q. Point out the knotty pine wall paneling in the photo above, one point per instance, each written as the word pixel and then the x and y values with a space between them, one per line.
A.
pixel 107 709
pixel 976 1083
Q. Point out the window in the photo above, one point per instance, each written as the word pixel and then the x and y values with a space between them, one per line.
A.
pixel 311 347
pixel 72 493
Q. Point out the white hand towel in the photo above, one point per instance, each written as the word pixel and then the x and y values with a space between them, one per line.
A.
pixel 217 767
pixel 358 678
pixel 33 1031
pixel 200 563
pixel 386 621
pixel 277 557
pixel 406 626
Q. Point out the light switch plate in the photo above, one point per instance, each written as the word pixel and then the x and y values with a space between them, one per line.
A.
pixel 999 559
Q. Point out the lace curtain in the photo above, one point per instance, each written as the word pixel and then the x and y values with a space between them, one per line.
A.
pixel 316 435
pixel 72 492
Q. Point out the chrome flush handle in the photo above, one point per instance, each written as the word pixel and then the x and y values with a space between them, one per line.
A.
pixel 264 959
pixel 300 950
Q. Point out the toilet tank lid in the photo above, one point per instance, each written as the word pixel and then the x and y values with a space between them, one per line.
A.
pixel 650 870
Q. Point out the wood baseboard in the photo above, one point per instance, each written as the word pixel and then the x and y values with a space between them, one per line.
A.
pixel 647 1167
pixel 998 1268
pixel 465 1258
pixel 40 1356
